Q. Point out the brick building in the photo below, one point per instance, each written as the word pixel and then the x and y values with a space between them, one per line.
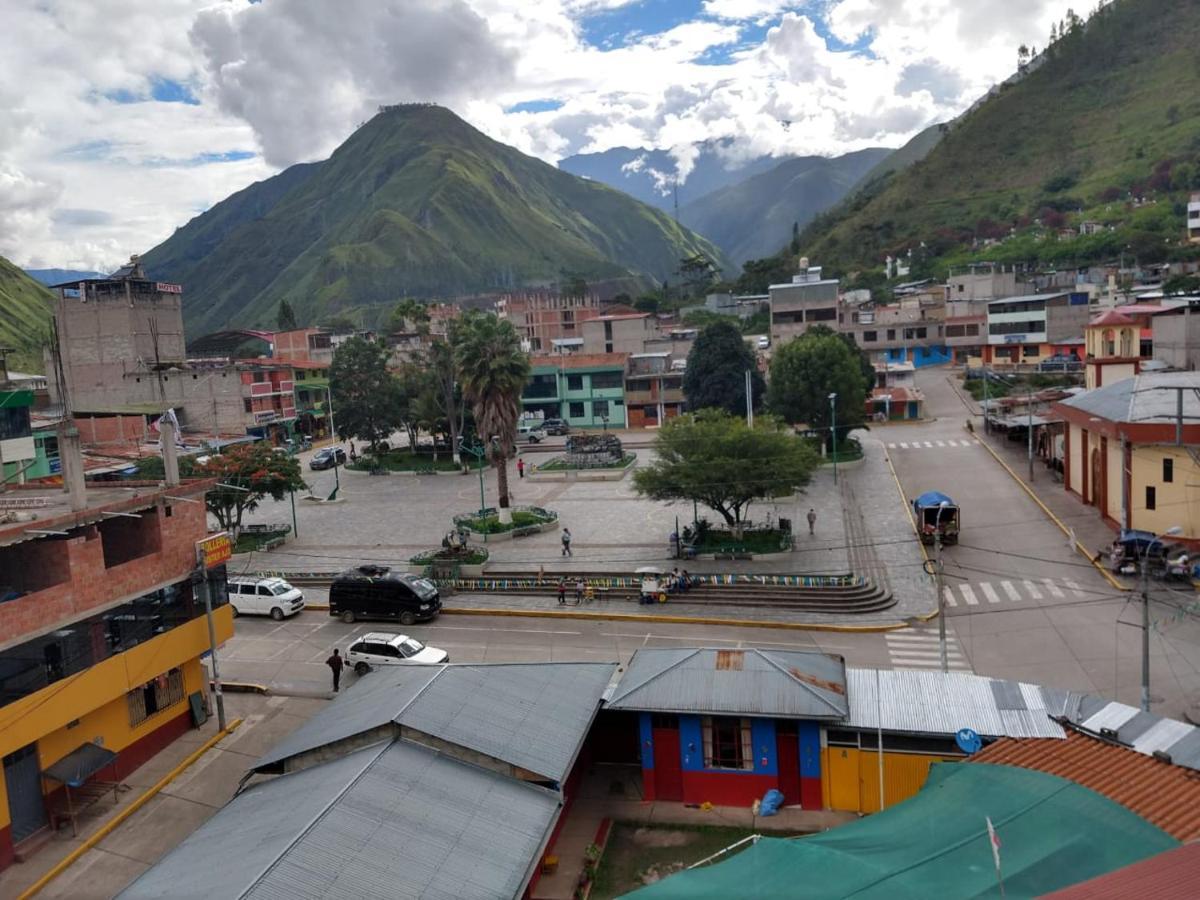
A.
pixel 542 317
pixel 102 625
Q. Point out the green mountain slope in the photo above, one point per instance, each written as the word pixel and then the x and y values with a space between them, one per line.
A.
pixel 25 312
pixel 1111 115
pixel 913 152
pixel 753 218
pixel 414 203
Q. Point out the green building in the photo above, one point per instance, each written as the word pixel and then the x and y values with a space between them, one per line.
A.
pixel 17 450
pixel 586 391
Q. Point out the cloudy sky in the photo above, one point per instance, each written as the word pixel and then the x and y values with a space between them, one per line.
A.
pixel 122 119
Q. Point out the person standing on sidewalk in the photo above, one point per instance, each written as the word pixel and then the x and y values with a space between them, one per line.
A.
pixel 812 521
pixel 566 542
pixel 562 592
pixel 520 467
pixel 335 664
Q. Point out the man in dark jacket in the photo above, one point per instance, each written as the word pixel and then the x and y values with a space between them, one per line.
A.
pixel 335 663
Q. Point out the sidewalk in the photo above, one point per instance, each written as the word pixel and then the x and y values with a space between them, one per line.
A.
pixel 166 819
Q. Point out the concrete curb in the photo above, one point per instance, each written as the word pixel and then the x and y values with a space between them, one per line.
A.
pixel 1082 550
pixel 133 807
pixel 672 620
pixel 929 616
pixel 243 687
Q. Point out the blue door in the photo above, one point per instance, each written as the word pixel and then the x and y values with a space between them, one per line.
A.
pixel 23 779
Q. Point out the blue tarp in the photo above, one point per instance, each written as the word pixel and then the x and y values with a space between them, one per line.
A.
pixel 932 498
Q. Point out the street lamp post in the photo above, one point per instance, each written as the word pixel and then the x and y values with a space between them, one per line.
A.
pixel 1173 530
pixel 478 451
pixel 1029 428
pixel 833 432
pixel 938 581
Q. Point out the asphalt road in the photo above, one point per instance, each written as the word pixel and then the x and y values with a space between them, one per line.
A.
pixel 1021 602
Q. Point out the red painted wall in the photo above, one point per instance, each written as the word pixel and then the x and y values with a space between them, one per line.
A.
pixel 726 788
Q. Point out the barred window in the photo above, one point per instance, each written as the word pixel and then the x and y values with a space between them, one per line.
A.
pixel 154 696
pixel 727 743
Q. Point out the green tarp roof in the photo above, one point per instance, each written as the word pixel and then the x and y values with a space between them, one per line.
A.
pixel 1053 833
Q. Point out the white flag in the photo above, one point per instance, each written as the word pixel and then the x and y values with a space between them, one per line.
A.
pixel 995 841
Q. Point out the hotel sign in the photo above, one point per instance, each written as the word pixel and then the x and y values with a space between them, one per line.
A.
pixel 164 287
pixel 214 550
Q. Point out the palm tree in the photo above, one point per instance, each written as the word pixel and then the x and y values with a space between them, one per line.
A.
pixel 493 370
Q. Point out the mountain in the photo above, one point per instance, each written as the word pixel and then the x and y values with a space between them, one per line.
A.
pixel 1101 122
pixel 415 203
pixel 25 311
pixel 753 218
pixel 913 152
pixel 641 173
pixel 59 276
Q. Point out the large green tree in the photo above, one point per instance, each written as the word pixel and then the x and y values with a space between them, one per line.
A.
pixel 368 403
pixel 285 319
pixel 493 370
pixel 443 384
pixel 806 371
pixel 716 370
pixel 246 473
pixel 715 459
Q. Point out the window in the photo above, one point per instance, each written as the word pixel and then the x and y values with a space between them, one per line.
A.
pixel 954 331
pixel 870 337
pixel 259 377
pixel 599 408
pixel 607 380
pixel 825 314
pixel 574 382
pixel 575 410
pixel 891 334
pixel 154 696
pixel 727 743
pixel 246 403
pixel 973 330
pixel 1029 350
pixel 1168 470
pixel 1151 497
pixel 14 422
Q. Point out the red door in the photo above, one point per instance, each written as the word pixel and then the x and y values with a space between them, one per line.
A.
pixel 787 755
pixel 668 770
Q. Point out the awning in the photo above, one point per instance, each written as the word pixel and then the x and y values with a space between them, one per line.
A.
pixel 80 764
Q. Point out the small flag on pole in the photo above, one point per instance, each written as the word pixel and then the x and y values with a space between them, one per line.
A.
pixel 994 840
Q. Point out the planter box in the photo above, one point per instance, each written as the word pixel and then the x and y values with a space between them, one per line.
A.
pixel 522 531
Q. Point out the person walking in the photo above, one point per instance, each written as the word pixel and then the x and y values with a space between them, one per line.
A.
pixel 562 592
pixel 566 542
pixel 812 521
pixel 520 467
pixel 335 664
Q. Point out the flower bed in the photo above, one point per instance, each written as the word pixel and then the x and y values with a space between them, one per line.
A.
pixel 560 464
pixel 525 520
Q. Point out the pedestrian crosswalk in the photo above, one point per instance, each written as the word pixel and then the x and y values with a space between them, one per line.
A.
pixel 928 445
pixel 918 648
pixel 1015 590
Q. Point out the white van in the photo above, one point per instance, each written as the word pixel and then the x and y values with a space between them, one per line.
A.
pixel 272 597
pixel 531 432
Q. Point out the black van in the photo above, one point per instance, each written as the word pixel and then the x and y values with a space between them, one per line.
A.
pixel 375 592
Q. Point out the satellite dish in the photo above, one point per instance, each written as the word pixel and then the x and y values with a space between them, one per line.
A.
pixel 968 741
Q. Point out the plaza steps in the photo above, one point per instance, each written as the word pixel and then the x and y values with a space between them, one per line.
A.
pixel 860 597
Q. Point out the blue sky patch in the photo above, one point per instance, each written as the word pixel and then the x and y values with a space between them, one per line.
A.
pixel 625 25
pixel 535 106
pixel 201 159
pixel 166 91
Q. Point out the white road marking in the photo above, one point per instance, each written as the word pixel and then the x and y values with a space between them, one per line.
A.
pixel 1053 588
pixel 1013 593
pixel 1032 588
pixel 939 443
pixel 989 592
pixel 903 446
pixel 948 594
pixel 968 595
pixel 928 444
pixel 1075 588
pixel 891 446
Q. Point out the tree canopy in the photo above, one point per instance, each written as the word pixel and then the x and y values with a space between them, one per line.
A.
pixel 716 370
pixel 807 370
pixel 285 320
pixel 258 469
pixel 715 459
pixel 368 403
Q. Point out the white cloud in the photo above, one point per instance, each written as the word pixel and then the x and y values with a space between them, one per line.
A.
pixel 85 180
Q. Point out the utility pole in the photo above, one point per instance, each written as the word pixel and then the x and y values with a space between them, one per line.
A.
pixel 986 428
pixel 749 400
pixel 1146 631
pixel 1029 428
pixel 221 553
pixel 833 431
pixel 941 597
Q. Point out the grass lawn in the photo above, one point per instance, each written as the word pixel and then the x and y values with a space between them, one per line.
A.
pixel 521 518
pixel 471 557
pixel 248 542
pixel 637 850
pixel 404 461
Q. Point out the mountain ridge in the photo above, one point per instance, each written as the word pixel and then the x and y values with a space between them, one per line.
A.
pixel 415 203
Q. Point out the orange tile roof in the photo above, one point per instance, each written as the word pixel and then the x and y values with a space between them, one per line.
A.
pixel 1166 876
pixel 1161 793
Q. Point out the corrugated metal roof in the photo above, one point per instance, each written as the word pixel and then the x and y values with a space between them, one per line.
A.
pixel 1143 732
pixel 942 703
pixel 752 682
pixel 1141 399
pixel 1165 795
pixel 409 823
pixel 1173 874
pixel 366 704
pixel 532 715
pixel 243 840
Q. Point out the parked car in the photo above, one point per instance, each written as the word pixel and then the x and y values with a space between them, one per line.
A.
pixel 272 597
pixel 764 342
pixel 376 592
pixel 327 458
pixel 381 648
pixel 556 426
pixel 532 433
